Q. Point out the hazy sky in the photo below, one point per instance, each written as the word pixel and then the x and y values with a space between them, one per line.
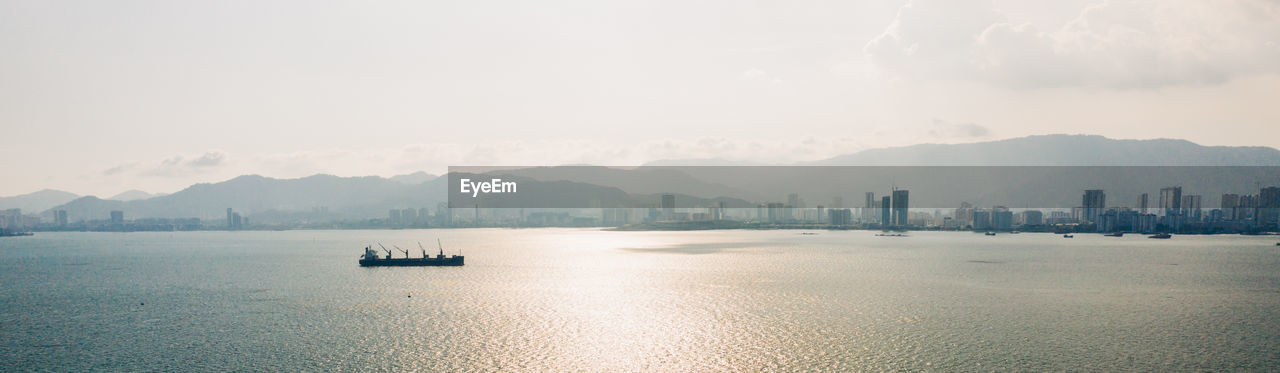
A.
pixel 97 97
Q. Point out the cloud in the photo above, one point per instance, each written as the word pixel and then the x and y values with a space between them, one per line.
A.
pixel 1132 44
pixel 210 159
pixel 932 36
pixel 119 169
pixel 175 166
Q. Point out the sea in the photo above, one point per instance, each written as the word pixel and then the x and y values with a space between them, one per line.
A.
pixel 596 300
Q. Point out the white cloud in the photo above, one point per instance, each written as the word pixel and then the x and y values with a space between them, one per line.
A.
pixel 210 159
pixel 171 167
pixel 1114 44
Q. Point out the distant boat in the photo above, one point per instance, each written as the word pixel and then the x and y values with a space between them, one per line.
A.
pixel 1068 236
pixel 1116 234
pixel 372 259
pixel 991 233
pixel 1161 236
pixel 890 235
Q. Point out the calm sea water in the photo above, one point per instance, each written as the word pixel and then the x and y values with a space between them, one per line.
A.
pixel 589 300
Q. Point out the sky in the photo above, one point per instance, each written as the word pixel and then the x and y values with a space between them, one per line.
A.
pixel 100 97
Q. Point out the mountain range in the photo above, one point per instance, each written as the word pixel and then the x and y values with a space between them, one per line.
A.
pixel 344 197
pixel 372 196
pixel 37 201
pixel 1061 150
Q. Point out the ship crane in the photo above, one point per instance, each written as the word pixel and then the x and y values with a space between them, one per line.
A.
pixel 384 248
pixel 406 252
pixel 424 250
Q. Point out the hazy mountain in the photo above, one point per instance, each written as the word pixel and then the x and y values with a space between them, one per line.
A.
pixel 701 162
pixel 134 194
pixel 1062 150
pixel 345 197
pixel 942 187
pixel 87 208
pixel 413 178
pixel 371 197
pixel 37 201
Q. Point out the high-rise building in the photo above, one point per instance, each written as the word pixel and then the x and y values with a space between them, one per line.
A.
pixel 393 217
pixel 1191 207
pixel 900 205
pixel 869 208
pixel 1170 200
pixel 1032 217
pixel 1229 203
pixel 230 219
pixel 60 218
pixel 840 217
pixel 117 217
pixel 981 219
pixel 1001 218
pixel 1094 203
pixel 886 217
pixel 964 214
pixel 775 213
pixel 1267 214
pixel 1143 203
pixel 668 206
pixel 409 216
pixel 11 219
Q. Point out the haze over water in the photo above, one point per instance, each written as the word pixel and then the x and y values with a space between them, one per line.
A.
pixel 589 300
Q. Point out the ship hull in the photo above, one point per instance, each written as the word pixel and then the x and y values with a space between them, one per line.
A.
pixel 455 261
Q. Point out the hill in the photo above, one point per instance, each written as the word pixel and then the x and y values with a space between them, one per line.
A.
pixel 37 201
pixel 133 194
pixel 1061 150
pixel 353 197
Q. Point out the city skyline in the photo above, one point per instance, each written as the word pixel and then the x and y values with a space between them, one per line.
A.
pixel 1248 200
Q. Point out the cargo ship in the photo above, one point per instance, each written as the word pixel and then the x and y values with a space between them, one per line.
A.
pixel 372 259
